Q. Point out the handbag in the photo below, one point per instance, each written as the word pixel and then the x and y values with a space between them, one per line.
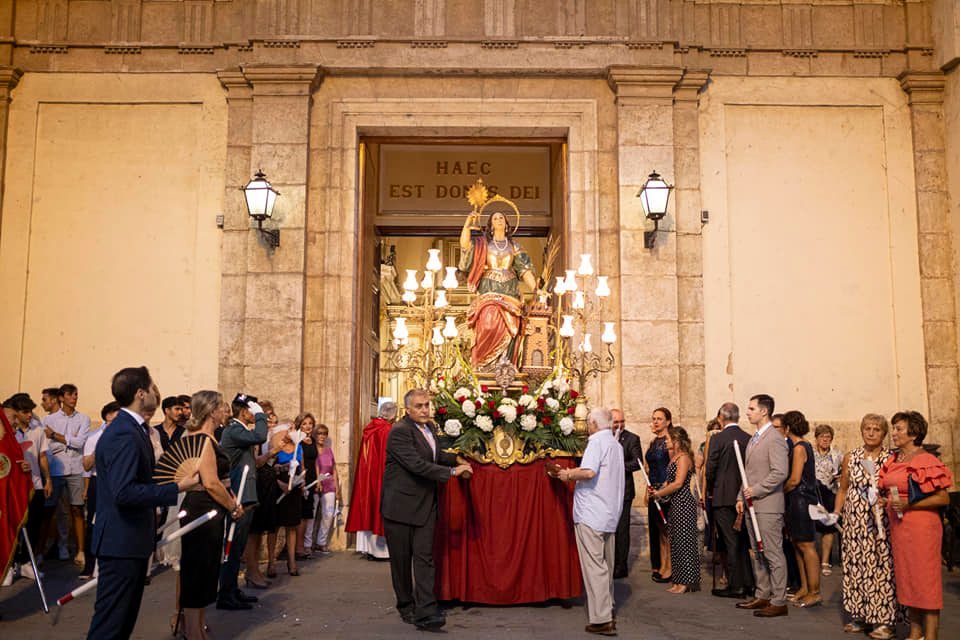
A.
pixel 915 494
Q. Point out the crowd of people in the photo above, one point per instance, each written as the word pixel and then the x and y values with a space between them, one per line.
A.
pixel 758 501
pixel 95 501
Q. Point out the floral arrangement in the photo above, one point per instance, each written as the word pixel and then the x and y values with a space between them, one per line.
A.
pixel 541 420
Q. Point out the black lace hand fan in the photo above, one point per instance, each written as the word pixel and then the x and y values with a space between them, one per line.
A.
pixel 180 461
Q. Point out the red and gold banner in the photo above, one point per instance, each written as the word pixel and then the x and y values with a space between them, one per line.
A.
pixel 16 487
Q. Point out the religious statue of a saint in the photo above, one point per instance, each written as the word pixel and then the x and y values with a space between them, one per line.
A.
pixel 495 264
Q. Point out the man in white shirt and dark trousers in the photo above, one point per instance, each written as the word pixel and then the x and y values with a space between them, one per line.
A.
pixel 67 431
pixel 597 503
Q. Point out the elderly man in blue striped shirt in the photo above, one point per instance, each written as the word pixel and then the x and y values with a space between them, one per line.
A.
pixel 597 502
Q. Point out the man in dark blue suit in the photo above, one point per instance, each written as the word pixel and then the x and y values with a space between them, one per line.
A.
pixel 124 533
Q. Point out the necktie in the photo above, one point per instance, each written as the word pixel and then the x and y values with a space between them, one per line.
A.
pixel 425 430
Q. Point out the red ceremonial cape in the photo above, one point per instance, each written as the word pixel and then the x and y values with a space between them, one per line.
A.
pixel 16 489
pixel 368 480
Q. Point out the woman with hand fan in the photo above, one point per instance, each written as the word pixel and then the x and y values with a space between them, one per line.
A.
pixel 201 548
pixel 289 470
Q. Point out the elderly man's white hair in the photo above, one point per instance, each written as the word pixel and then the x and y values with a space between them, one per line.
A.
pixel 602 417
pixel 388 410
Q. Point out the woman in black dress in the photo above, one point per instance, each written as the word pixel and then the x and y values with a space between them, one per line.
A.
pixel 801 492
pixel 656 461
pixel 265 515
pixel 307 424
pixel 201 548
pixel 682 521
pixel 290 508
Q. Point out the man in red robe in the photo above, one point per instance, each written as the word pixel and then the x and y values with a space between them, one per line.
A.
pixel 364 517
pixel 16 482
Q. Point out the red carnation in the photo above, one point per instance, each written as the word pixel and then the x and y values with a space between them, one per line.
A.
pixel 491 404
pixel 484 388
pixel 525 388
pixel 496 414
pixel 541 401
pixel 477 403
pixel 442 410
pixel 573 394
pixel 570 410
pixel 547 420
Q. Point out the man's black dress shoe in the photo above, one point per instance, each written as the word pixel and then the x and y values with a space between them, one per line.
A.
pixel 727 592
pixel 619 574
pixel 431 622
pixel 233 605
pixel 240 596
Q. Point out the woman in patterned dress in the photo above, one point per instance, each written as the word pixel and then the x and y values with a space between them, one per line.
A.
pixel 916 526
pixel 682 521
pixel 869 591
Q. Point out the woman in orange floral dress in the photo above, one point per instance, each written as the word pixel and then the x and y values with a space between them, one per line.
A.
pixel 916 527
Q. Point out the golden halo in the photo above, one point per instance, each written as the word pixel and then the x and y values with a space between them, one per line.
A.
pixel 499 198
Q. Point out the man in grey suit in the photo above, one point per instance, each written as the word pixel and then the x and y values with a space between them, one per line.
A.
pixel 767 469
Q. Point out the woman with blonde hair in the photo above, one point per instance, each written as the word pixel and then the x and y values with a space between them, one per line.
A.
pixel 869 591
pixel 202 547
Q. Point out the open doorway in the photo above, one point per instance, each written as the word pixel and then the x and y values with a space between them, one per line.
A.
pixel 414 199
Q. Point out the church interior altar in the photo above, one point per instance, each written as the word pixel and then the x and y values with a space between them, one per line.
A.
pixel 506 536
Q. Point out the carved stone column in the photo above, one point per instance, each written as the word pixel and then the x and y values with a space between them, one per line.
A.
pixel 9 77
pixel 937 285
pixel 686 133
pixel 262 327
pixel 648 277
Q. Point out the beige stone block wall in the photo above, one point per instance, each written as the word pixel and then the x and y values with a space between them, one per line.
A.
pixel 109 238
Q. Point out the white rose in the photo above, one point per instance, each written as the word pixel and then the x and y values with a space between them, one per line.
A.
pixel 509 413
pixel 469 408
pixel 462 392
pixel 566 425
pixel 528 422
pixel 485 424
pixel 553 403
pixel 452 428
pixel 561 387
pixel 526 400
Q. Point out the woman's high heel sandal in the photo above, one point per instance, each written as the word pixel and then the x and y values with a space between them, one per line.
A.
pixel 292 572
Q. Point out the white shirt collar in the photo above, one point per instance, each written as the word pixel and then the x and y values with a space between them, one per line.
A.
pixel 762 429
pixel 136 416
pixel 732 424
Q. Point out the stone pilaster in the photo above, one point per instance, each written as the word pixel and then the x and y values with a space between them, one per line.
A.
pixel 925 89
pixel 263 304
pixel 686 133
pixel 649 318
pixel 9 77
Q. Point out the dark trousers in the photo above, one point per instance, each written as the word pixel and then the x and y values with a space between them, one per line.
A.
pixel 35 515
pixel 655 526
pixel 230 568
pixel 737 545
pixel 119 592
pixel 89 559
pixel 411 553
pixel 621 545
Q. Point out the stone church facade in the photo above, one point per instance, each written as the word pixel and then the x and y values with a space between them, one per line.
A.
pixel 810 250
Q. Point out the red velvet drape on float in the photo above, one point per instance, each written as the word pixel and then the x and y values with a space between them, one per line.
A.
pixel 506 537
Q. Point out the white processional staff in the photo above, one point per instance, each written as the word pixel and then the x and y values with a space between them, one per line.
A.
pixel 172 523
pixel 749 501
pixel 871 469
pixel 321 477
pixel 36 570
pixel 655 501
pixel 233 525
pixel 184 530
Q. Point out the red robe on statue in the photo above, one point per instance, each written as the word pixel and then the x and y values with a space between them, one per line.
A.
pixel 16 489
pixel 368 480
